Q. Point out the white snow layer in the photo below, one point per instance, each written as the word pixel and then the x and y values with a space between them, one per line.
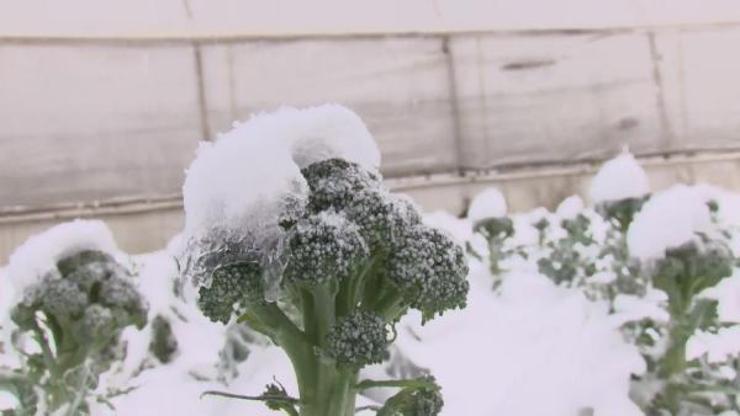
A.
pixel 668 219
pixel 533 339
pixel 40 253
pixel 488 204
pixel 540 350
pixel 8 357
pixel 619 178
pixel 6 295
pixel 252 173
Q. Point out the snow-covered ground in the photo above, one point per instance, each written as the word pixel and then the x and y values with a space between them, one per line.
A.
pixel 532 339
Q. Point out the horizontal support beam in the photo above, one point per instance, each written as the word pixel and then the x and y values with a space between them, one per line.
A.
pixel 408 184
pixel 154 39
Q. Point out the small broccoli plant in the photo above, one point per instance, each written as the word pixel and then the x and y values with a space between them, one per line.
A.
pixel 74 314
pixel 683 274
pixel 349 264
pixel 496 231
pixel 487 212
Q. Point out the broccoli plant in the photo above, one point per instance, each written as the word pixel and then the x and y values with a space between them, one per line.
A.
pixel 349 264
pixel 683 274
pixel 495 230
pixel 75 314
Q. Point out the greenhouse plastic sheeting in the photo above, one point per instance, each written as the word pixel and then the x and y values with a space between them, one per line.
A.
pixel 93 120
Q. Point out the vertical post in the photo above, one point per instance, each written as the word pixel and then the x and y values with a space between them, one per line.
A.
pixel 665 126
pixel 454 106
pixel 205 128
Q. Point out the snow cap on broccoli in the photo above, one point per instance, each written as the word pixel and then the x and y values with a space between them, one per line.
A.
pixel 488 204
pixel 248 182
pixel 619 178
pixel 40 254
pixel 668 219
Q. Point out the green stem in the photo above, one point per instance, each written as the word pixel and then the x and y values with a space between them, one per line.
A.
pixel 81 392
pixel 351 289
pixel 335 395
pixel 46 352
pixel 272 321
pixel 389 304
pixel 418 383
pixel 285 403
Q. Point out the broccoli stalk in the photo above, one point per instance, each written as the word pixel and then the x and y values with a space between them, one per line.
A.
pixel 351 263
pixel 75 314
pixel 684 273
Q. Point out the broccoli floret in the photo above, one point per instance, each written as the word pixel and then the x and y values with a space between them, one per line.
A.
pixel 420 402
pixel 430 270
pixel 381 216
pixel 233 286
pixel 324 247
pixel 622 211
pixel 495 228
pixel 348 265
pixel 358 340
pixel 121 297
pixel 419 397
pixel 55 297
pixel 335 182
pixel 164 345
pixel 97 322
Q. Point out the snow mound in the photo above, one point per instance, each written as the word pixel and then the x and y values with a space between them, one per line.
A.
pixel 459 229
pixel 487 204
pixel 668 219
pixel 619 178
pixel 718 347
pixel 6 295
pixel 8 357
pixel 535 340
pixel 727 293
pixel 40 253
pixel 570 207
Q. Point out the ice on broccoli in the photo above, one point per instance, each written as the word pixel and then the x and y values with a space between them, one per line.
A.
pixel 619 178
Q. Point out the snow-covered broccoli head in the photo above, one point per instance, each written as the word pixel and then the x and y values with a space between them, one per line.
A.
pixel 692 267
pixel 86 301
pixel 75 313
pixel 327 274
pixel 351 229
